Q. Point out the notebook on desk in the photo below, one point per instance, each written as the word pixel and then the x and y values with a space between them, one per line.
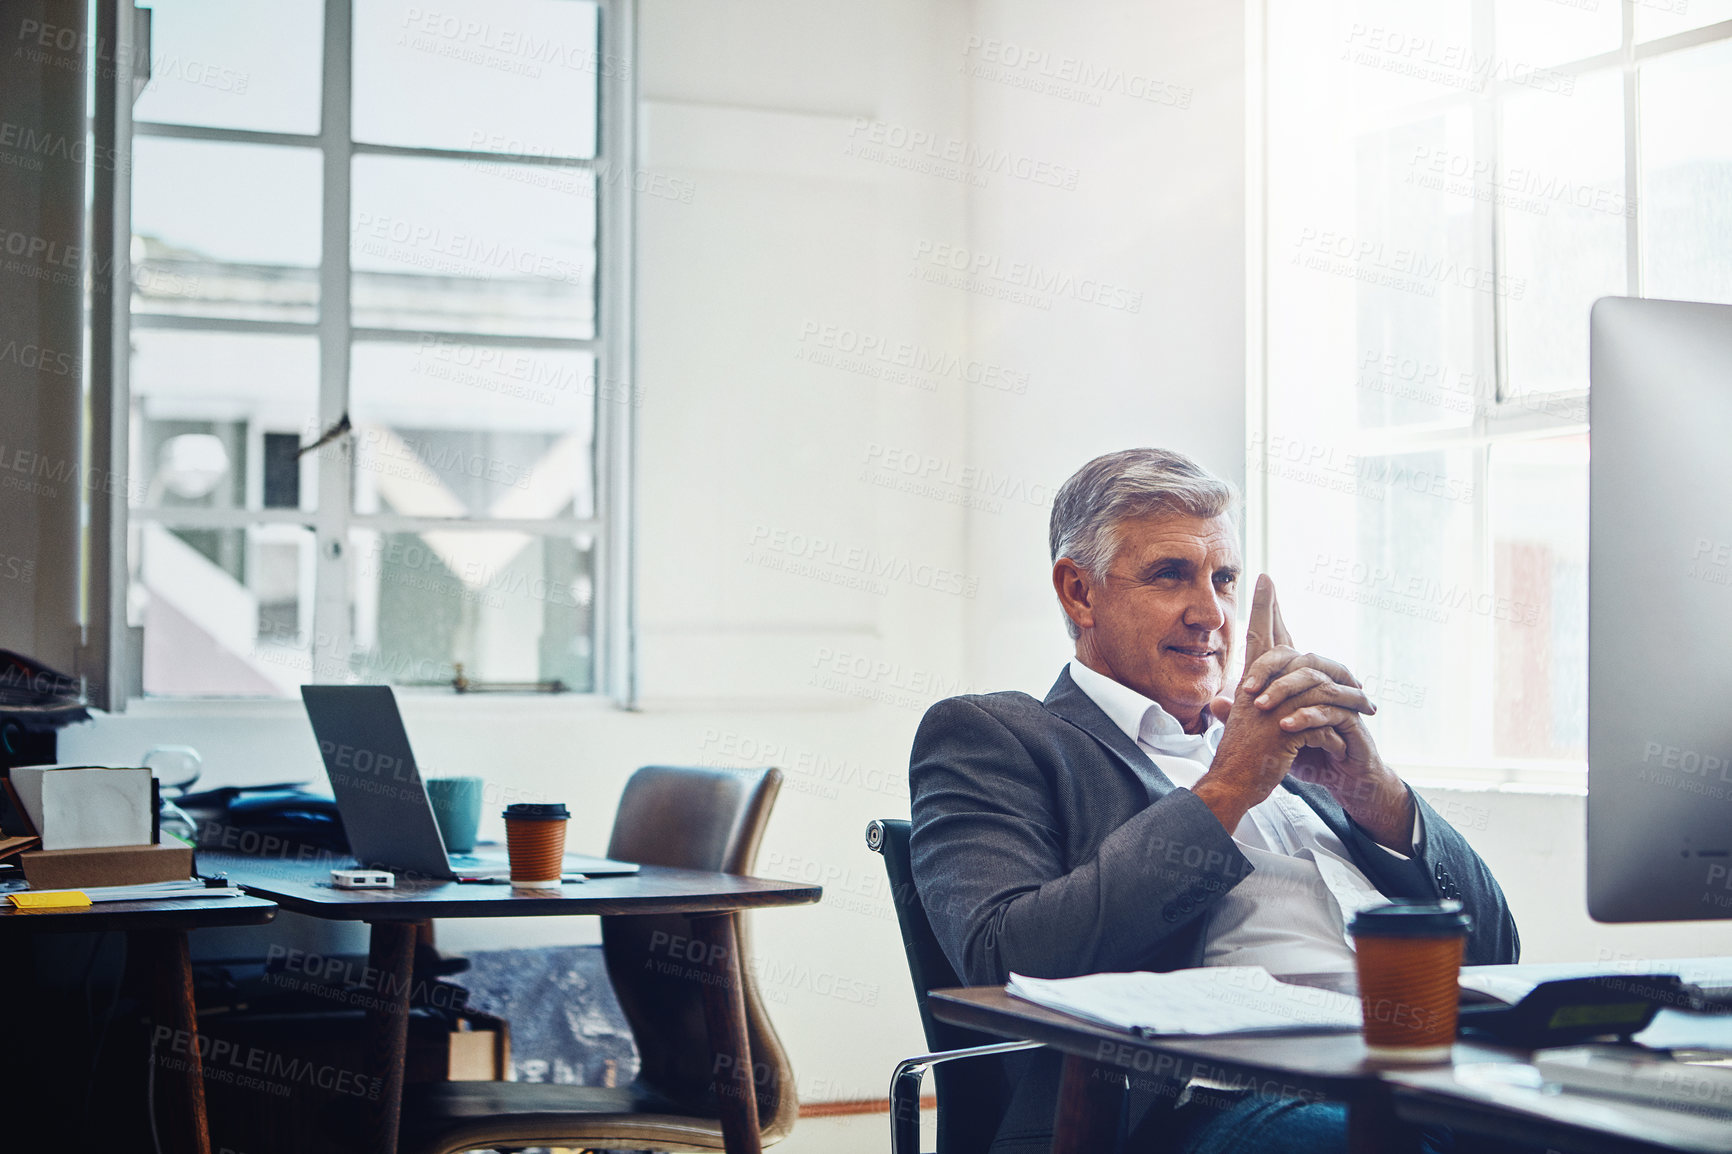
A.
pixel 384 805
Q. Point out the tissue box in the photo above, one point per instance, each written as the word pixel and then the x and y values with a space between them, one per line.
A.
pixel 121 865
pixel 80 807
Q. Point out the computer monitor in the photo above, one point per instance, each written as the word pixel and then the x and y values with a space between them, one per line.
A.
pixel 1660 611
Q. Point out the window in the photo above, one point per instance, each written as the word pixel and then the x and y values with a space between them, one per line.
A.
pixel 414 219
pixel 1449 185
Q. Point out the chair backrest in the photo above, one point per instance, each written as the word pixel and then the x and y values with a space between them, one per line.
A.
pixel 971 1094
pixel 692 818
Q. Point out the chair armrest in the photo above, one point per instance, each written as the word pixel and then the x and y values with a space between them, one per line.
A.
pixel 905 1089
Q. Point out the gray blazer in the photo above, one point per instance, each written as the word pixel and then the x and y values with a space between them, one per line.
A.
pixel 1039 848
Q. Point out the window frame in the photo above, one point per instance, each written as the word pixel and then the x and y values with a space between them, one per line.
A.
pixel 113 647
pixel 1505 421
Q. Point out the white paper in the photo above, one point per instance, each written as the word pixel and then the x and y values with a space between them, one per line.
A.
pixel 193 888
pixel 147 891
pixel 91 808
pixel 1511 984
pixel 1211 1000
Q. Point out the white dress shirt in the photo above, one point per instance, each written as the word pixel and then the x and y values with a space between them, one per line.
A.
pixel 1290 914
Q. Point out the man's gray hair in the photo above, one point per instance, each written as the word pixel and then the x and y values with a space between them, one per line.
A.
pixel 1123 486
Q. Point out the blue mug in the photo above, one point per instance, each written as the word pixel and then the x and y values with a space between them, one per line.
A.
pixel 457 809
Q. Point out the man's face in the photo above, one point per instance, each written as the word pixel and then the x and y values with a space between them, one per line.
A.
pixel 1161 621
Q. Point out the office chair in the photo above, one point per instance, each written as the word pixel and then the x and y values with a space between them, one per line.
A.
pixel 711 819
pixel 971 1095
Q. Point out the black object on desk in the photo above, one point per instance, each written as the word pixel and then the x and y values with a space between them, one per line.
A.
pixel 1563 1013
pixel 276 816
pixel 35 702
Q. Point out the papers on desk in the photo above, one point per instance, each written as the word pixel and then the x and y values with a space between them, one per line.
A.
pixel 1212 1000
pixel 193 888
pixel 149 891
pixel 1510 984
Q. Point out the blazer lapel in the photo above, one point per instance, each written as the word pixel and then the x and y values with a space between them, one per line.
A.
pixel 1066 700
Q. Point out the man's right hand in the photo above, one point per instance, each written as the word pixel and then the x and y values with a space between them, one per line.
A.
pixel 1255 751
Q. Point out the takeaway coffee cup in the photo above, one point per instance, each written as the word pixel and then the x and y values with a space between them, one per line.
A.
pixel 535 841
pixel 1409 962
pixel 456 805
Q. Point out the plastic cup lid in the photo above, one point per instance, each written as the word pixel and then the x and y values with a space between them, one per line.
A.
pixel 537 811
pixel 1412 919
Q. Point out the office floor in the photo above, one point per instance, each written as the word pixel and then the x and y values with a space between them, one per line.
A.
pixel 852 1134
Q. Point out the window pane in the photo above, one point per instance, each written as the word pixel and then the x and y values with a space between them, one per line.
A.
pixel 472 247
pixel 221 64
pixel 477 75
pixel 1540 33
pixel 1416 274
pixel 447 429
pixel 505 606
pixel 226 612
pixel 1388 588
pixel 1686 150
pixel 225 230
pixel 1562 208
pixel 1539 508
pixel 1379 317
pixel 1657 18
pixel 204 407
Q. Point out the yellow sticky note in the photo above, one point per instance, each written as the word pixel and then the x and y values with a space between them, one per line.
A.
pixel 50 900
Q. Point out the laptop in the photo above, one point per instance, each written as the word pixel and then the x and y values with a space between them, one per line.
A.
pixel 383 802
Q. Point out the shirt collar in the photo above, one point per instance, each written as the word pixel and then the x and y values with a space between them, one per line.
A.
pixel 1141 718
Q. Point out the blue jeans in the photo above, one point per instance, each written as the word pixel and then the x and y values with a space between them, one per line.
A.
pixel 1253 1125
pixel 1289 1125
pixel 1278 1125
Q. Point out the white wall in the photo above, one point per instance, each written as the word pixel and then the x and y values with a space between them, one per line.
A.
pixel 801 230
pixel 1144 104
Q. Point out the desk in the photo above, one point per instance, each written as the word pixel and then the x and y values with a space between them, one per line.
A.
pixel 1319 1065
pixel 156 942
pixel 1385 1104
pixel 393 914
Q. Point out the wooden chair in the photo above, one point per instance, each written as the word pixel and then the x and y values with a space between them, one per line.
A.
pixel 710 819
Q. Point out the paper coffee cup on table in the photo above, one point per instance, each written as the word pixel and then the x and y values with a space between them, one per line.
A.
pixel 1409 964
pixel 535 842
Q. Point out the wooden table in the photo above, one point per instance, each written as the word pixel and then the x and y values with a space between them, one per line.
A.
pixel 1473 1094
pixel 708 898
pixel 157 946
pixel 1305 1065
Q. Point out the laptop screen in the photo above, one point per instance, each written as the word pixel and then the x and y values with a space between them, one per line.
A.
pixel 372 770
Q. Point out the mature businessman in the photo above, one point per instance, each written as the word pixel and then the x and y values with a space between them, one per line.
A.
pixel 1146 817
